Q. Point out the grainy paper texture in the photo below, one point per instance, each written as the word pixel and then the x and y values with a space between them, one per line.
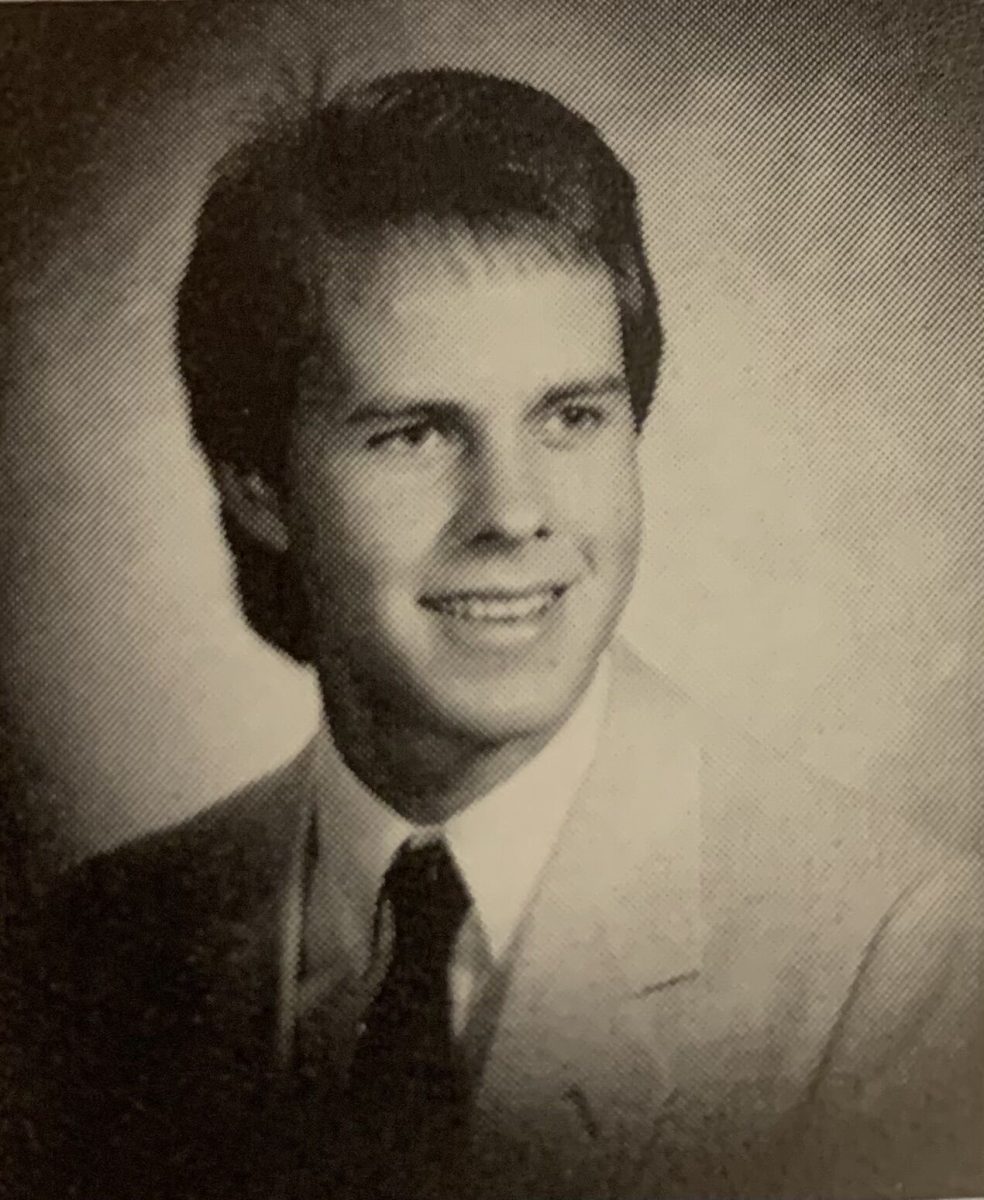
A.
pixel 809 182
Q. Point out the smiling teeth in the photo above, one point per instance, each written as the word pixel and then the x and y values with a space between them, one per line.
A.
pixel 473 608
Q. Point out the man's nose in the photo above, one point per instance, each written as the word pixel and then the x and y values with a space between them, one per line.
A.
pixel 505 500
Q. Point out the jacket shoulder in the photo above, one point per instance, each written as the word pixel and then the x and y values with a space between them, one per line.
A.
pixel 778 836
pixel 216 863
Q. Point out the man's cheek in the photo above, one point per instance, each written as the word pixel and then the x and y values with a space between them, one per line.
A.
pixel 626 503
pixel 609 523
pixel 369 575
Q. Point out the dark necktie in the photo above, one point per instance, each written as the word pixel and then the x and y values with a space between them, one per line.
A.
pixel 407 1091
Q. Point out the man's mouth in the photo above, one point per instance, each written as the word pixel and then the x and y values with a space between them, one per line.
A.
pixel 496 606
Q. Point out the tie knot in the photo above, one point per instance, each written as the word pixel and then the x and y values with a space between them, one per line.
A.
pixel 427 894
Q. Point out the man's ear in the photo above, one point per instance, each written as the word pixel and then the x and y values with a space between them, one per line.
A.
pixel 255 505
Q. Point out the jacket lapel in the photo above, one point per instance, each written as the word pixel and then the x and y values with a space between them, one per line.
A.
pixel 575 1080
pixel 246 942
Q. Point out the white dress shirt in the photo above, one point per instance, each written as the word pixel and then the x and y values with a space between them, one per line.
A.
pixel 500 843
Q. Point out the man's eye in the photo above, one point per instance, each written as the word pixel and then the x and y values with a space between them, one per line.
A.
pixel 575 418
pixel 417 436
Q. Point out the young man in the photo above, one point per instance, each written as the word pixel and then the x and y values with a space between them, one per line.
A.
pixel 521 921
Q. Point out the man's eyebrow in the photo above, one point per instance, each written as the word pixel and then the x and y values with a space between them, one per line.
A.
pixel 394 408
pixel 585 389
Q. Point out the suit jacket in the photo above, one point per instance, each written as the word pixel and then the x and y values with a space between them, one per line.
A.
pixel 735 979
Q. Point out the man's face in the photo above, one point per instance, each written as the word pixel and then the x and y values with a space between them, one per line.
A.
pixel 464 508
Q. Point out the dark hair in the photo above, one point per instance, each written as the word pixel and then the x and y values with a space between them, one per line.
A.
pixel 452 148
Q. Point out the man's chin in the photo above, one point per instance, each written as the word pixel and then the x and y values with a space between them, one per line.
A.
pixel 490 720
pixel 441 699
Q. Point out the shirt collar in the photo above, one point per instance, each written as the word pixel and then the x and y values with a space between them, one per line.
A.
pixel 500 842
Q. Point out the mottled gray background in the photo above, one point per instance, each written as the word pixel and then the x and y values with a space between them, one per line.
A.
pixel 811 179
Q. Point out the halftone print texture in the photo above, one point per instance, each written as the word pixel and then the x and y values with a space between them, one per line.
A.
pixel 810 184
pixel 809 181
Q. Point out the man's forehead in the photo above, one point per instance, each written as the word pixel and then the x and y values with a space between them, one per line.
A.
pixel 499 334
pixel 438 311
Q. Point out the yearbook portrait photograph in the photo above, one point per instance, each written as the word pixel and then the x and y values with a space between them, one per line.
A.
pixel 490 675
